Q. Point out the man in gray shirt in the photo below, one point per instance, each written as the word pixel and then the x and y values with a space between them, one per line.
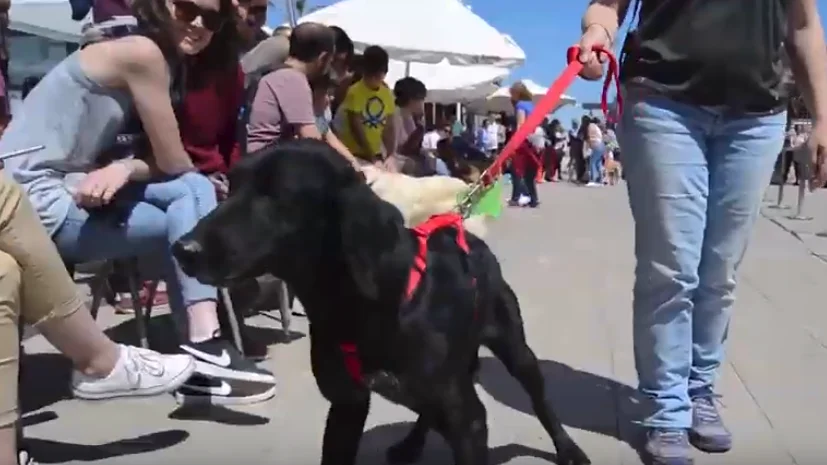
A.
pixel 267 53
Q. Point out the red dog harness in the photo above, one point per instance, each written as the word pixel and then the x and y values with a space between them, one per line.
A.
pixel 423 232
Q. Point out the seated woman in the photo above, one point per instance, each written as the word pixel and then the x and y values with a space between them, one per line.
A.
pixel 137 206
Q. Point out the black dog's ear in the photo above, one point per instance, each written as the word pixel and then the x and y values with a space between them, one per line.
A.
pixel 370 230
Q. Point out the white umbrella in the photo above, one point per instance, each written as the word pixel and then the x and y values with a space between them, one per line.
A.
pixel 51 19
pixel 425 31
pixel 448 83
pixel 500 100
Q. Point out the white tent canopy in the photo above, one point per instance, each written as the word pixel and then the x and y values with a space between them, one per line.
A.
pixel 500 100
pixel 51 19
pixel 426 31
pixel 447 83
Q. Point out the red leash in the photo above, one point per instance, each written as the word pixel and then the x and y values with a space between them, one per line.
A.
pixel 550 100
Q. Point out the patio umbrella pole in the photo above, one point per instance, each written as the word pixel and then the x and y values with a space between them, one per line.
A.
pixel 291 12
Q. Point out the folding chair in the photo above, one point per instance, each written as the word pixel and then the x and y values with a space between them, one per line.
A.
pixel 143 312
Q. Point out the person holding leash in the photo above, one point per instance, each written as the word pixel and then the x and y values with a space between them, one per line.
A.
pixel 703 121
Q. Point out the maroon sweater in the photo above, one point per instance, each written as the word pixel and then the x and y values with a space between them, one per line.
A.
pixel 208 121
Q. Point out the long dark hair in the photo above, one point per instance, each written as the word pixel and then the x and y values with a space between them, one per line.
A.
pixel 222 52
pixel 155 22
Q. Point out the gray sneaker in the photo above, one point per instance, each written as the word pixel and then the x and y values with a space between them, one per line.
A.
pixel 668 446
pixel 708 432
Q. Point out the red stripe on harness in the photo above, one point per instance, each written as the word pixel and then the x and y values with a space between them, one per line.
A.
pixel 350 353
pixel 423 232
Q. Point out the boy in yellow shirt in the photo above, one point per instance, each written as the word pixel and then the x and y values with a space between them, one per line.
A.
pixel 368 106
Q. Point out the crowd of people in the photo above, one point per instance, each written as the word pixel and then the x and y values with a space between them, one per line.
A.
pixel 586 154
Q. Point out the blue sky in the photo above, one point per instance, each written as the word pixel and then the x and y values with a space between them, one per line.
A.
pixel 544 29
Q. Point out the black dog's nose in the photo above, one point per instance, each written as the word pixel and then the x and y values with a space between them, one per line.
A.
pixel 187 251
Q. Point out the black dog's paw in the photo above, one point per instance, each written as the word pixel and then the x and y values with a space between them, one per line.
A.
pixel 572 454
pixel 405 452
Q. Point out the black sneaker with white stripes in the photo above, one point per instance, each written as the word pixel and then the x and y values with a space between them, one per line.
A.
pixel 224 377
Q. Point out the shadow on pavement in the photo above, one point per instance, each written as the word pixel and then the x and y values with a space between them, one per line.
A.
pixel 48 451
pixel 163 337
pixel 217 414
pixel 581 400
pixel 44 380
pixel 376 440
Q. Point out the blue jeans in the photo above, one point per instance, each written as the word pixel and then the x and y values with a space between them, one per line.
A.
pixel 154 216
pixel 596 164
pixel 695 178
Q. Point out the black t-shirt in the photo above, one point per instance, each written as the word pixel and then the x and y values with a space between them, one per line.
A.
pixel 711 52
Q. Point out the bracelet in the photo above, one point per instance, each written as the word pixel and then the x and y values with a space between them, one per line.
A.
pixel 605 29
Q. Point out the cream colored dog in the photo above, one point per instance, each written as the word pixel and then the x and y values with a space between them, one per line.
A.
pixel 420 198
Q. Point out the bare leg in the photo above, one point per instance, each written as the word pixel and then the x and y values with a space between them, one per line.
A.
pixel 203 321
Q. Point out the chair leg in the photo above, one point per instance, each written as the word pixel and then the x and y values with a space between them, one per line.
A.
pixel 151 291
pixel 100 287
pixel 135 290
pixel 232 318
pixel 285 308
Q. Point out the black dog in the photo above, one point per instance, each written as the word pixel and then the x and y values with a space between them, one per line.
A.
pixel 299 211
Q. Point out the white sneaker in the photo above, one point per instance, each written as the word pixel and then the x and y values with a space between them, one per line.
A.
pixel 594 184
pixel 138 372
pixel 523 200
pixel 23 458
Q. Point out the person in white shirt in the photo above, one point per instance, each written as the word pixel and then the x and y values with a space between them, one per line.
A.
pixel 594 141
pixel 430 140
pixel 492 140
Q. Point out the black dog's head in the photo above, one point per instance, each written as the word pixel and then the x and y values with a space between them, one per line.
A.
pixel 293 208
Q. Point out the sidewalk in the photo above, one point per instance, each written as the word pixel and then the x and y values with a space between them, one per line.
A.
pixel 814 212
pixel 571 263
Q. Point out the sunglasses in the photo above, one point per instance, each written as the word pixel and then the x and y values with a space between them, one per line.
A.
pixel 187 11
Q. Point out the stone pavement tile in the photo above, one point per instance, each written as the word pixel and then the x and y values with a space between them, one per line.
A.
pixel 558 304
pixel 815 207
pixel 779 267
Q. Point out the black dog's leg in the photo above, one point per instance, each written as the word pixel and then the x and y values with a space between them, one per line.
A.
pixel 463 424
pixel 409 449
pixel 507 342
pixel 349 400
pixel 343 431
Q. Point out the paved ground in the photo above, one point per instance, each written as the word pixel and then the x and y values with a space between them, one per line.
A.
pixel 571 263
